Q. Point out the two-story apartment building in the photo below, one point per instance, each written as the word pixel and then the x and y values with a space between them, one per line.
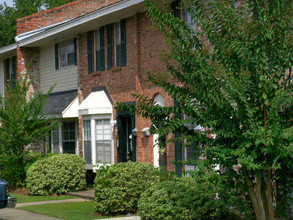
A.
pixel 97 53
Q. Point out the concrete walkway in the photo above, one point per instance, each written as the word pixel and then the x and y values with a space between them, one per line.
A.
pixel 87 194
pixel 18 214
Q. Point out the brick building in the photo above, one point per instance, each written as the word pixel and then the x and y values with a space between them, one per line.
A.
pixel 97 52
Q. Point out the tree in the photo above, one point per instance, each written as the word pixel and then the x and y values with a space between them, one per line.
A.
pixel 233 80
pixel 21 8
pixel 22 123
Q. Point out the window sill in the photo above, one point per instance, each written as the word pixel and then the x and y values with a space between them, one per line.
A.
pixel 116 69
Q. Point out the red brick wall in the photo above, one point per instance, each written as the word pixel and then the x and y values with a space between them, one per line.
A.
pixel 144 53
pixel 58 14
pixel 28 61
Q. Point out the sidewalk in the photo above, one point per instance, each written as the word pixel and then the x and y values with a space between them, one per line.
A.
pixel 18 214
pixel 87 194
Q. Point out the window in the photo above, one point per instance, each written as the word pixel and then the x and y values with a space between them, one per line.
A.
pixel 68 135
pixel 63 138
pixel 110 45
pixel 65 54
pixel 188 19
pixel 97 141
pixel 99 49
pixel 55 140
pixel 103 141
pixel 87 141
pixel 120 43
pixel 10 71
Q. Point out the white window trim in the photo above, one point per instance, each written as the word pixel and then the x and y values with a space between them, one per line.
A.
pixel 60 54
pixel 96 32
pixel 115 40
pixel 93 119
pixel 61 139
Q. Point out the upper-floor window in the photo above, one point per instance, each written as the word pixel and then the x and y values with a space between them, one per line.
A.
pixel 100 49
pixel 66 53
pixel 120 43
pixel 10 71
pixel 114 45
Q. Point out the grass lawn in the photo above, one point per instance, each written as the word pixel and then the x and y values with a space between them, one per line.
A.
pixel 24 198
pixel 67 211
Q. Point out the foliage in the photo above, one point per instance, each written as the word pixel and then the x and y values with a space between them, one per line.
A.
pixel 182 199
pixel 118 187
pixel 22 123
pixel 21 8
pixel 234 81
pixel 57 174
pixel 32 156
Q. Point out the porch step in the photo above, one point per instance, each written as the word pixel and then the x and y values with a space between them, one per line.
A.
pixel 86 194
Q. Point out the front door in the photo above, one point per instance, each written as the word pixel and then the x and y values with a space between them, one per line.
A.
pixel 127 141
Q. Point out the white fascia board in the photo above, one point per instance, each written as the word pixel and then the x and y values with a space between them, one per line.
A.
pixel 8 49
pixel 71 110
pixel 37 31
pixel 80 20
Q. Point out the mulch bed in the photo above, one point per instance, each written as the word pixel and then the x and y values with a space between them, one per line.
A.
pixel 22 191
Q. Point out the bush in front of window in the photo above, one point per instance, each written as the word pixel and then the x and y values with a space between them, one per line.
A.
pixel 57 174
pixel 118 187
pixel 33 157
pixel 182 199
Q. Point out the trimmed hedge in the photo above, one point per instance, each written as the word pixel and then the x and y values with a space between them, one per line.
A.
pixel 118 187
pixel 182 199
pixel 57 174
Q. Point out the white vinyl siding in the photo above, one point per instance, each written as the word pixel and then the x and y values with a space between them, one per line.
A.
pixel 65 78
pixel 1 77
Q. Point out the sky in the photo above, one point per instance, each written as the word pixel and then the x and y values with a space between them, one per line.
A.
pixel 8 2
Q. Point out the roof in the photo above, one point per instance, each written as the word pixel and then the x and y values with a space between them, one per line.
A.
pixel 7 51
pixel 104 15
pixel 98 102
pixel 57 102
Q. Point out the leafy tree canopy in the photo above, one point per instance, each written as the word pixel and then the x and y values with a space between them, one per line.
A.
pixel 22 123
pixel 234 80
pixel 21 8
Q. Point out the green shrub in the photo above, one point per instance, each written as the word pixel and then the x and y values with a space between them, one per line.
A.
pixel 57 174
pixel 31 157
pixel 118 187
pixel 181 199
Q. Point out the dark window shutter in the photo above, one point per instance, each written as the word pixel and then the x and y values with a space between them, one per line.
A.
pixel 102 48
pixel 75 51
pixel 56 57
pixel 123 42
pixel 13 74
pixel 90 51
pixel 175 8
pixel 110 45
pixel 7 70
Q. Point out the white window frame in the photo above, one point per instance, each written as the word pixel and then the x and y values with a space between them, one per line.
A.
pixel 67 44
pixel 93 119
pixel 97 46
pixel 117 39
pixel 60 133
pixel 186 17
